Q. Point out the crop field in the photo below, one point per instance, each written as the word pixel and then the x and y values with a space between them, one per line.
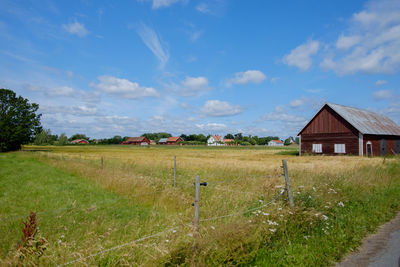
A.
pixel 117 205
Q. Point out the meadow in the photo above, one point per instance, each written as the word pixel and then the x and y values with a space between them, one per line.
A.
pixel 116 205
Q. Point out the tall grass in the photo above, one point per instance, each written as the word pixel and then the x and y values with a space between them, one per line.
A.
pixel 339 188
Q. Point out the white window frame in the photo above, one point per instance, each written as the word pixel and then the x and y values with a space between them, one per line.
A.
pixel 340 148
pixel 317 148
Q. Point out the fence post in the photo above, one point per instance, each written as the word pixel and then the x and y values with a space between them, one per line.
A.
pixel 101 162
pixel 196 203
pixel 174 171
pixel 287 182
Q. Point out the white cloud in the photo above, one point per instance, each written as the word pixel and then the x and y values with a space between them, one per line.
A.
pixel 82 110
pixel 383 94
pixel 203 8
pixel 191 86
pixel 249 76
pixel 280 114
pixel 297 102
pixel 301 56
pixel 346 42
pixel 371 42
pixel 76 28
pixel 61 91
pixel 380 82
pixel 275 79
pixel 163 3
pixel 216 108
pixel 124 88
pixel 152 41
pixel 211 126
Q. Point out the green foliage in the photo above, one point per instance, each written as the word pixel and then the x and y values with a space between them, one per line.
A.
pixel 156 136
pixel 116 140
pixel 18 120
pixel 63 140
pixel 79 136
pixel 201 138
pixel 45 138
pixel 229 136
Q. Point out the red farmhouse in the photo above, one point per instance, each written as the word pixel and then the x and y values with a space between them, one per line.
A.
pixel 79 141
pixel 174 140
pixel 136 141
pixel 339 130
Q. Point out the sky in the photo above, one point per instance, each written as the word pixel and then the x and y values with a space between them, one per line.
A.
pixel 106 68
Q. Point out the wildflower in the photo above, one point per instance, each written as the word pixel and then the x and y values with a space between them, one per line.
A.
pixel 190 234
pixel 212 227
pixel 280 209
pixel 272 230
pixel 59 241
pixel 249 221
pixel 265 214
pixel 325 217
pixel 260 200
pixel 306 237
pixel 173 231
pixel 167 240
pixel 272 222
pixel 316 214
pixel 340 204
pixel 313 188
pixel 258 211
pixel 263 222
pixel 280 215
pixel 309 197
pixel 298 193
pixel 290 212
pixel 326 207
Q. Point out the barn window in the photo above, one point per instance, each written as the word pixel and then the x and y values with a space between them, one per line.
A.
pixel 317 148
pixel 340 148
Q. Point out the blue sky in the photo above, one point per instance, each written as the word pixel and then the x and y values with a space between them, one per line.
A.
pixel 108 68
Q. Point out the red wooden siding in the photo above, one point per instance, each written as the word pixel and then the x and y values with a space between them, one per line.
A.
pixel 328 128
pixel 376 143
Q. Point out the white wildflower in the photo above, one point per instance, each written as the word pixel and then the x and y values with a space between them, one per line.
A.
pixel 249 221
pixel 212 227
pixel 173 231
pixel 280 215
pixel 306 237
pixel 272 222
pixel 326 207
pixel 265 214
pixel 190 234
pixel 59 241
pixel 280 209
pixel 290 212
pixel 325 217
pixel 340 204
pixel 313 188
pixel 260 200
pixel 167 240
pixel 272 230
pixel 309 197
pixel 298 193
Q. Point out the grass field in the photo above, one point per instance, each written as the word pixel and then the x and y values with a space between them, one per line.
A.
pixel 84 209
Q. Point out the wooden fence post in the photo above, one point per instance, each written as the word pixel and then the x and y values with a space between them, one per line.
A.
pixel 196 203
pixel 101 162
pixel 287 182
pixel 174 171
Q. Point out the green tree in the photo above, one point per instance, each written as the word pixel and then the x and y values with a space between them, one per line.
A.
pixel 43 138
pixel 229 136
pixel 79 136
pixel 63 140
pixel 18 120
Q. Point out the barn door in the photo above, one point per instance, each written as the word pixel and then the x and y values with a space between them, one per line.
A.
pixel 383 147
pixel 369 149
pixel 397 147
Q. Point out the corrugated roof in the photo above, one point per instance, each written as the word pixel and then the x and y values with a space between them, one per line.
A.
pixel 367 122
pixel 162 140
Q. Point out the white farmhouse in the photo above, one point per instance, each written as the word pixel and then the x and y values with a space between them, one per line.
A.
pixel 275 143
pixel 215 140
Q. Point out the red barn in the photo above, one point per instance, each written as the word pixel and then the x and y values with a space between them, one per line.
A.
pixel 79 141
pixel 136 141
pixel 339 130
pixel 174 140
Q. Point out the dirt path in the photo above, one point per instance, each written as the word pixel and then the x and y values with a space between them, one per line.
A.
pixel 381 249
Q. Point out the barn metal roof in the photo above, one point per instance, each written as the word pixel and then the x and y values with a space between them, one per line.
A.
pixel 366 122
pixel 162 140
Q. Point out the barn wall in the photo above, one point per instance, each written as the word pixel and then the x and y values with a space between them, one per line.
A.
pixel 376 143
pixel 328 142
pixel 328 121
pixel 328 128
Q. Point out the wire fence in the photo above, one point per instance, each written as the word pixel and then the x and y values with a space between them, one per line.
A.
pixel 182 186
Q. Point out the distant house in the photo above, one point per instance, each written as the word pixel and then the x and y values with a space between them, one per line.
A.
pixel 275 143
pixel 291 140
pixel 174 140
pixel 228 142
pixel 136 141
pixel 340 130
pixel 215 140
pixel 162 141
pixel 152 142
pixel 79 141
